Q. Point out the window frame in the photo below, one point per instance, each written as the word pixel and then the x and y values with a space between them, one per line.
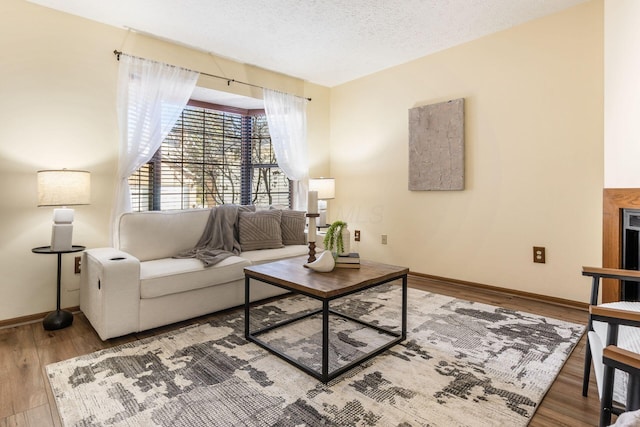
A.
pixel 151 172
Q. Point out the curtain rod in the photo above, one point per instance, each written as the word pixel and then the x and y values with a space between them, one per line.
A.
pixel 118 53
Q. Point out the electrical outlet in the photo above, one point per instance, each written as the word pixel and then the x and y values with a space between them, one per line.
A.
pixel 539 254
pixel 384 239
pixel 76 265
pixel 356 235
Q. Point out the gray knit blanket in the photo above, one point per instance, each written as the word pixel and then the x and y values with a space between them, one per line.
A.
pixel 219 239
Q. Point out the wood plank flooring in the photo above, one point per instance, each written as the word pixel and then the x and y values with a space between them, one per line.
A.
pixel 26 399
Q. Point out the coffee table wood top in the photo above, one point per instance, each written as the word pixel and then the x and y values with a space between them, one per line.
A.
pixel 291 274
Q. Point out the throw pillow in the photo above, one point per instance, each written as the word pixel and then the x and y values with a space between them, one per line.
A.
pixel 260 230
pixel 293 224
pixel 236 226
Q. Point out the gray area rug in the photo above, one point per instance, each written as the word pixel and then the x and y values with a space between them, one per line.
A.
pixel 463 364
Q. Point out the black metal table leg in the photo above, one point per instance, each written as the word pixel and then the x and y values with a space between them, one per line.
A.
pixel 60 318
pixel 247 299
pixel 325 341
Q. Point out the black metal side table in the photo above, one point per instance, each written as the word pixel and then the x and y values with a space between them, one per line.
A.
pixel 60 318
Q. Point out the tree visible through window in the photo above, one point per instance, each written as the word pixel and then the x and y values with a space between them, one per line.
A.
pixel 212 157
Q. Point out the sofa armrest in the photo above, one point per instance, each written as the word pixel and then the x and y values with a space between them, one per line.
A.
pixel 110 291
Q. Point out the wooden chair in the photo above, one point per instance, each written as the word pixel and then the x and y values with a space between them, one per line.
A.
pixel 611 346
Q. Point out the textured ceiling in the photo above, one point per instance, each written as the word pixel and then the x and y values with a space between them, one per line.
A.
pixel 327 42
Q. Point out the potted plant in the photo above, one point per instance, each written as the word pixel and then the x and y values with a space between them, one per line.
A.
pixel 334 240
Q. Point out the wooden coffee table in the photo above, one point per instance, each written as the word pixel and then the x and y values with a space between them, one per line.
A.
pixel 290 274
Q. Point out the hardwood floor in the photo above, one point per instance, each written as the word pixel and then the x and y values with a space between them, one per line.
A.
pixel 26 399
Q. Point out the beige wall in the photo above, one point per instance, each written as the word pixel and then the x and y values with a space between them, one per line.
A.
pixel 533 145
pixel 58 80
pixel 534 158
pixel 622 94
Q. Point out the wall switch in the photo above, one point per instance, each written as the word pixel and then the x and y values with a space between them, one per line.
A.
pixel 356 235
pixel 76 265
pixel 539 254
pixel 384 239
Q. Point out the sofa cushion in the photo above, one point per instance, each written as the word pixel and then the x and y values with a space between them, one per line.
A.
pixel 172 275
pixel 262 256
pixel 260 230
pixel 160 234
pixel 292 225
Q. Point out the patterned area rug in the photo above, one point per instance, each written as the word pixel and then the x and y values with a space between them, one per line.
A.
pixel 463 364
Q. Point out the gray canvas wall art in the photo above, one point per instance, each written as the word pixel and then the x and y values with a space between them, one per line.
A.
pixel 436 146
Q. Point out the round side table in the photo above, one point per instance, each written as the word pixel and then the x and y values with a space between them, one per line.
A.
pixel 60 318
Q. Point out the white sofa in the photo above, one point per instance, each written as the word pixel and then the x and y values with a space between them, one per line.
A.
pixel 138 285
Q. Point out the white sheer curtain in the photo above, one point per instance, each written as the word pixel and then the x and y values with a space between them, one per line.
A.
pixel 151 96
pixel 287 119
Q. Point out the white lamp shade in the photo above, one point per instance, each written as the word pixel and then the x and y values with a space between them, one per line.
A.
pixel 64 187
pixel 326 187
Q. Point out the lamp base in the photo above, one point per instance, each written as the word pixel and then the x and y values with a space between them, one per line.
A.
pixel 61 236
pixel 322 219
pixel 57 320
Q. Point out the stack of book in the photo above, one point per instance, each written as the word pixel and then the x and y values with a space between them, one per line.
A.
pixel 351 260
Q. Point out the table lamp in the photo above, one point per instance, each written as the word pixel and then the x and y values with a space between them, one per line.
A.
pixel 326 188
pixel 63 188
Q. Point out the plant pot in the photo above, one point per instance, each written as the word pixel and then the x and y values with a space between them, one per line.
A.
pixel 338 238
pixel 346 241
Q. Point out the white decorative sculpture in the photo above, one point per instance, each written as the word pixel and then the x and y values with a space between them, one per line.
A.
pixel 323 264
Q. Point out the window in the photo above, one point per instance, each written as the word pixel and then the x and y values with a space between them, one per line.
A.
pixel 213 155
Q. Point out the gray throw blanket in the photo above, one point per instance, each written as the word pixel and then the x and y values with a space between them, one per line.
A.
pixel 218 241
